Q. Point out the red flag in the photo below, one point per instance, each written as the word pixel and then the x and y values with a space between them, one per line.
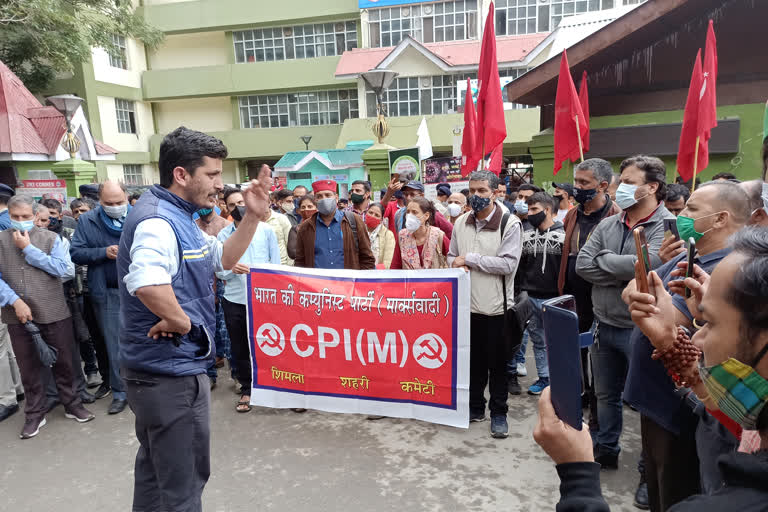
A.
pixel 492 129
pixel 584 100
pixel 495 160
pixel 689 132
pixel 567 113
pixel 469 146
pixel 708 95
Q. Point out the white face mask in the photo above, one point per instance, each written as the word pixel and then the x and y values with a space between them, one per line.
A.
pixel 454 209
pixel 412 222
pixel 288 207
pixel 115 212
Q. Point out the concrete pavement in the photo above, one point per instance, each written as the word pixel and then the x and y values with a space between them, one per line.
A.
pixel 273 459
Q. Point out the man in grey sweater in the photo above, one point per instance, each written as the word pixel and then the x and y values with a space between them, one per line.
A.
pixel 608 262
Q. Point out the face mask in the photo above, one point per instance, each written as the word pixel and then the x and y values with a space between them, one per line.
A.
pixel 115 212
pixel 24 225
pixel 584 195
pixel 478 203
pixel 305 214
pixel 454 209
pixel 685 226
pixel 238 213
pixel 521 207
pixel 412 222
pixel 356 198
pixel 625 195
pixel 54 224
pixel 739 391
pixel 537 218
pixel 559 198
pixel 288 207
pixel 372 222
pixel 326 206
pixel 204 212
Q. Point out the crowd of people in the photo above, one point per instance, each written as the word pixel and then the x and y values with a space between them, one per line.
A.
pixel 143 297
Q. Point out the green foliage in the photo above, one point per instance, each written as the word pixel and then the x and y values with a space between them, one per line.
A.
pixel 39 38
pixel 548 187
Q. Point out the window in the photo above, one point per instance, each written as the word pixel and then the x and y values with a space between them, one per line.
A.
pixel 126 116
pixel 297 42
pixel 309 108
pixel 530 16
pixel 427 95
pixel 121 59
pixel 133 174
pixel 428 23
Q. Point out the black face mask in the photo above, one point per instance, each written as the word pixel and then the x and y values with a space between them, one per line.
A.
pixel 537 218
pixel 55 225
pixel 559 198
pixel 238 213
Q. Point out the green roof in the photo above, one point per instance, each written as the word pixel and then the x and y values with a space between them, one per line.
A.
pixel 291 158
pixel 345 157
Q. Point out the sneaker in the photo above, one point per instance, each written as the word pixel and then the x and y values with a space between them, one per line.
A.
pixel 79 414
pixel 476 417
pixel 513 386
pixel 522 371
pixel 608 461
pixel 86 397
pixel 32 427
pixel 499 427
pixel 641 496
pixel 103 391
pixel 92 380
pixel 6 411
pixel 538 386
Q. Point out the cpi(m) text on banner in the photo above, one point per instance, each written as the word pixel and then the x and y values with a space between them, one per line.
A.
pixel 389 342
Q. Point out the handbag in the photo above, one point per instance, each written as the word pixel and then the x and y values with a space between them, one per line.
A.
pixel 517 317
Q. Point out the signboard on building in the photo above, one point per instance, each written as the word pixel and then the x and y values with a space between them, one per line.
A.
pixel 365 4
pixel 385 342
pixel 405 163
pixel 443 170
pixel 44 189
pixel 461 91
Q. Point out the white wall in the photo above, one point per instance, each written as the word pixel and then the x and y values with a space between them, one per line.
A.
pixel 204 114
pixel 192 50
pixel 125 141
pixel 131 77
pixel 158 2
pixel 413 63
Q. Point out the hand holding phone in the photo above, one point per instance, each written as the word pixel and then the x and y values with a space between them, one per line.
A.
pixel 641 245
pixel 689 270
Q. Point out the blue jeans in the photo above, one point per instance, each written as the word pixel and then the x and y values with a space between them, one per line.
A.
pixel 108 315
pixel 221 337
pixel 610 361
pixel 519 356
pixel 536 334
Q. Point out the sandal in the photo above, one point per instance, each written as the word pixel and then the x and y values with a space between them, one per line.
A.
pixel 244 405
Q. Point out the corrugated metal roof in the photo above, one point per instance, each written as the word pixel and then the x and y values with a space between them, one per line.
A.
pixel 345 157
pixel 103 149
pixel 291 158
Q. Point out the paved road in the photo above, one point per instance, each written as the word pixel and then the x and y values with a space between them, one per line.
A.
pixel 278 460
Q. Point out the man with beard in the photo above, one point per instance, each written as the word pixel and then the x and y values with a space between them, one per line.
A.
pixel 165 268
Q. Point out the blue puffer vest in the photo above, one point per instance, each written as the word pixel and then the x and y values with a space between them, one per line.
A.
pixel 192 284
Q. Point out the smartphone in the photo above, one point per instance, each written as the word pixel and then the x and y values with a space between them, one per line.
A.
pixel 641 245
pixel 691 257
pixel 561 336
pixel 670 229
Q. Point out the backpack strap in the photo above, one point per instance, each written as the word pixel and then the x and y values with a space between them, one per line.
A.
pixel 504 221
pixel 353 225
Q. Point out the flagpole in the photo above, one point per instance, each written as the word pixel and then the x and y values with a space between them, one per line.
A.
pixel 578 134
pixel 695 164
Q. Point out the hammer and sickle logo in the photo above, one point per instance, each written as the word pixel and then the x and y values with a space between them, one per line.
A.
pixel 430 351
pixel 270 339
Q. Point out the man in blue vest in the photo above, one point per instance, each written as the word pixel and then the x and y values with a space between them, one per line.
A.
pixel 165 268
pixel 6 193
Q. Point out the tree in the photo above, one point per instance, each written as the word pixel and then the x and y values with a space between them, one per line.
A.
pixel 39 38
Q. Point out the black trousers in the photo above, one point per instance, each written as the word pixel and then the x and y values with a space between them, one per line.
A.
pixel 237 327
pixel 173 428
pixel 57 334
pixel 487 364
pixel 671 463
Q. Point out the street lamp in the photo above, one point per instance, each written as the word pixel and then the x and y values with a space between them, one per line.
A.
pixel 378 80
pixel 305 139
pixel 67 104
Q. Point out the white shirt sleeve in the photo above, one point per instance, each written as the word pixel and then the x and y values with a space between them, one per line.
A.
pixel 155 255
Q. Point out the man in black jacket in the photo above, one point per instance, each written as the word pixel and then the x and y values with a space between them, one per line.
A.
pixel 732 307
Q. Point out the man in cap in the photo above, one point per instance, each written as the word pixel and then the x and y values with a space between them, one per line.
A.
pixel 443 192
pixel 332 238
pixel 90 190
pixel 564 195
pixel 396 215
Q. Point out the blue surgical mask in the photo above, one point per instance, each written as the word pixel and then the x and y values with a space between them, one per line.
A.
pixel 204 211
pixel 24 225
pixel 521 207
pixel 625 195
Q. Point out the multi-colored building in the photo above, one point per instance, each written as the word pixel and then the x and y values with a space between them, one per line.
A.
pixel 260 75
